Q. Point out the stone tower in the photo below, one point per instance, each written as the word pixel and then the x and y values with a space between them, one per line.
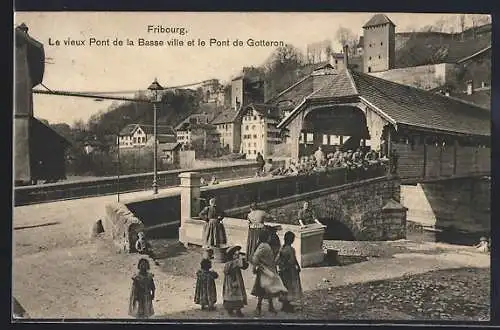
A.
pixel 379 52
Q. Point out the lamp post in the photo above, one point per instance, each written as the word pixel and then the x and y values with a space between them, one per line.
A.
pixel 155 87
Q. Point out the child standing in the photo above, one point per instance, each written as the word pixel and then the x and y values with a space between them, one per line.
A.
pixel 206 293
pixel 483 245
pixel 289 271
pixel 143 292
pixel 234 293
pixel 144 247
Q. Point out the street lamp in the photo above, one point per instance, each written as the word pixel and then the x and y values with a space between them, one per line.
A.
pixel 155 87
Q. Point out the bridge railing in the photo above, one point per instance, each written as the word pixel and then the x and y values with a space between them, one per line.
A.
pixel 128 183
pixel 286 186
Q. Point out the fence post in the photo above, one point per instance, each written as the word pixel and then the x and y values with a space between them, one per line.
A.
pixel 190 200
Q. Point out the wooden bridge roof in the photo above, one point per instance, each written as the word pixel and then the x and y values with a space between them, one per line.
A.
pixel 396 103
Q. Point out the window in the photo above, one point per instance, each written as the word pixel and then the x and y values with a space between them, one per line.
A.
pixel 379 57
pixel 381 43
pixel 301 138
pixel 135 139
pixel 369 69
pixel 249 144
pixel 334 140
pixel 255 136
pixel 246 128
pixel 253 126
pixel 370 58
pixel 310 138
pixel 336 61
pixel 345 138
pixel 325 139
pixel 254 117
pixel 254 152
pixel 370 45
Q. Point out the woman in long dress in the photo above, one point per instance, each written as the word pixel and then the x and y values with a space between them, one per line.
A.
pixel 256 220
pixel 268 284
pixel 214 234
pixel 143 292
pixel 205 293
pixel 234 294
pixel 289 271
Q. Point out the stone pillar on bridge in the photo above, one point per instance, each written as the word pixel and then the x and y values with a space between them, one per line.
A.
pixel 190 200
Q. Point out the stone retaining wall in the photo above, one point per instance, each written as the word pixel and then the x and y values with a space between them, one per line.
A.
pixel 122 226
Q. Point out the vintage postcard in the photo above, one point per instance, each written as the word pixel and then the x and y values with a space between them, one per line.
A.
pixel 232 166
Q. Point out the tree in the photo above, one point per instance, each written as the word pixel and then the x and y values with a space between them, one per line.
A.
pixel 281 69
pixel 478 20
pixel 346 37
pixel 79 125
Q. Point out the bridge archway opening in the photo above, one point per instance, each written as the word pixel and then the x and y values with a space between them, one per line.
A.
pixel 337 230
pixel 328 127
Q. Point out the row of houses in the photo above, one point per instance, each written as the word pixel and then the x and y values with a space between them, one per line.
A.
pixel 250 125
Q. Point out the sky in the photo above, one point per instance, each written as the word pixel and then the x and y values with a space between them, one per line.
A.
pixel 129 68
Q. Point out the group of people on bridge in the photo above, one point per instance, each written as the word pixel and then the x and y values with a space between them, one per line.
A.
pixel 319 162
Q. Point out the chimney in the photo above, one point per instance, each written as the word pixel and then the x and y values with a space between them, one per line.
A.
pixel 470 87
pixel 346 56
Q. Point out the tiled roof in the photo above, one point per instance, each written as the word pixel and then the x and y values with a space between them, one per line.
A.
pixel 227 116
pixel 128 130
pixel 169 146
pixel 165 138
pixel 431 48
pixel 421 108
pixel 164 130
pixel 398 103
pixel 266 110
pixel 295 93
pixel 46 132
pixel 480 98
pixel 378 19
pixel 188 125
pixel 339 84
pixel 148 129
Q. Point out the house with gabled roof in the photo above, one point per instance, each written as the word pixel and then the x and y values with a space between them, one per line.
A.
pixel 375 113
pixel 228 126
pixel 140 135
pixel 259 133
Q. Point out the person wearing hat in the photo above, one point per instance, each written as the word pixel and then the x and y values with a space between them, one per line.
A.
pixel 233 291
pixel 214 233
pixel 483 245
pixel 256 219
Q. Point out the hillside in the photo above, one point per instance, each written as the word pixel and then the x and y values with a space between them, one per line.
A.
pixel 422 48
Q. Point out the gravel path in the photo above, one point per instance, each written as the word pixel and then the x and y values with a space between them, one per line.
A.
pixel 92 281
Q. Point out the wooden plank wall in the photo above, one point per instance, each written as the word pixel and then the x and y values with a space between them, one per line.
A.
pixel 431 161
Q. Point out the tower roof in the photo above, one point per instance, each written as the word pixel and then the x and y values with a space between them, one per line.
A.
pixel 378 19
